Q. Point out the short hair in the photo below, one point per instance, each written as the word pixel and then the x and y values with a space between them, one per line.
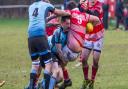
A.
pixel 71 5
pixel 64 18
pixel 37 0
pixel 42 0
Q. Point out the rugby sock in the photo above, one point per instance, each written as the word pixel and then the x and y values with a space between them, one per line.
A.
pixel 33 75
pixel 85 71
pixel 37 78
pixel 43 83
pixel 94 71
pixel 47 77
pixel 52 82
pixel 32 80
pixel 65 74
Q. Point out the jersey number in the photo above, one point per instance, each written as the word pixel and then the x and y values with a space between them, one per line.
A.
pixel 35 12
pixel 79 20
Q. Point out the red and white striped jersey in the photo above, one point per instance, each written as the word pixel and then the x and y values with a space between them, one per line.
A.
pixel 78 25
pixel 98 31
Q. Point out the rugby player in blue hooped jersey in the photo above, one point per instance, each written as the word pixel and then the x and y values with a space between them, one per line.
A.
pixel 57 42
pixel 37 40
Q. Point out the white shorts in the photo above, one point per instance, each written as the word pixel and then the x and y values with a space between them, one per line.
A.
pixel 69 55
pixel 94 45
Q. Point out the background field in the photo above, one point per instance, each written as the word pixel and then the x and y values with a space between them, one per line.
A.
pixel 15 62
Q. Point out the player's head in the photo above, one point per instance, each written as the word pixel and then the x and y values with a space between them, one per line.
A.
pixel 65 22
pixel 71 5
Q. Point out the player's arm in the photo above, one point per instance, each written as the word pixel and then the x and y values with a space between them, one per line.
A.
pixel 93 12
pixel 53 16
pixel 94 19
pixel 60 53
pixel 58 45
pixel 61 12
pixel 52 24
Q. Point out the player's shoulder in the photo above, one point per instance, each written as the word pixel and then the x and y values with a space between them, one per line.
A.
pixel 58 30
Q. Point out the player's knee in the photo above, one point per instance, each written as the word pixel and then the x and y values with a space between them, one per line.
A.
pixel 84 63
pixel 95 64
pixel 35 66
pixel 84 58
pixel 56 71
pixel 45 59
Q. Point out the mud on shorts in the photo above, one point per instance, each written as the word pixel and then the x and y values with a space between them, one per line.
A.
pixel 69 54
pixel 94 45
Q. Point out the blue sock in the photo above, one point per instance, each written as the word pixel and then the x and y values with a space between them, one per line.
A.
pixel 52 82
pixel 43 83
pixel 47 77
pixel 32 80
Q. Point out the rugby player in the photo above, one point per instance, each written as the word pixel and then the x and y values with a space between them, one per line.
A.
pixel 37 40
pixel 93 42
pixel 76 34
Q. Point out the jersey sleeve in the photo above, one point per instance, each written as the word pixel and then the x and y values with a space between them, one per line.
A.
pixel 57 36
pixel 51 8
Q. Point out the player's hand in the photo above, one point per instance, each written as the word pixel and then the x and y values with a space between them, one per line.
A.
pixel 84 5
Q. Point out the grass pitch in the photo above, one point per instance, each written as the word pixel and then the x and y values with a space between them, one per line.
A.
pixel 15 62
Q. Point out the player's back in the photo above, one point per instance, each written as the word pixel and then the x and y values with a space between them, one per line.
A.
pixel 38 12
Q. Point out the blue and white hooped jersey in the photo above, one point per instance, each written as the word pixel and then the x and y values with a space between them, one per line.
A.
pixel 38 12
pixel 59 37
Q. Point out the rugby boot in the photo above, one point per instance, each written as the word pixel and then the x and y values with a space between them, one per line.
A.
pixel 91 84
pixel 40 85
pixel 66 83
pixel 85 84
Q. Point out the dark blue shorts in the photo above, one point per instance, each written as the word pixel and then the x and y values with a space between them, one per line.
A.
pixel 39 48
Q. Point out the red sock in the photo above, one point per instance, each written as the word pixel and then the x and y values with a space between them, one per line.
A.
pixel 65 74
pixel 85 71
pixel 94 71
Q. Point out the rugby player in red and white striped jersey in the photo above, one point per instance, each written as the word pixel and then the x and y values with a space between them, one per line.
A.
pixel 77 32
pixel 93 41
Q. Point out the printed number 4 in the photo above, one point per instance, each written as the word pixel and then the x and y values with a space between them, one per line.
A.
pixel 35 12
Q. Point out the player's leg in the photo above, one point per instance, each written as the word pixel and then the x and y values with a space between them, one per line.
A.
pixel 67 81
pixel 34 75
pixel 47 72
pixel 60 75
pixel 57 75
pixel 55 72
pixel 84 59
pixel 96 56
pixel 45 58
pixel 69 56
pixel 95 66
